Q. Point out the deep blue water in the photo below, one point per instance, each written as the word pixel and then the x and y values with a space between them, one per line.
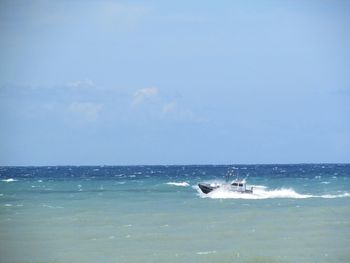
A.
pixel 314 179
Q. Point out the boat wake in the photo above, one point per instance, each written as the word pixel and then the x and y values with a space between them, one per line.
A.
pixel 178 184
pixel 262 192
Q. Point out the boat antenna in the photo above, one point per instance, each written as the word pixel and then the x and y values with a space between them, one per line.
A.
pixel 230 173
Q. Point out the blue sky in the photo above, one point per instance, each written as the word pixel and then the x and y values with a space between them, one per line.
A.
pixel 174 82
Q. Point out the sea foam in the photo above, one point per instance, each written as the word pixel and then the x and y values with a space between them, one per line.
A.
pixel 206 252
pixel 9 180
pixel 335 196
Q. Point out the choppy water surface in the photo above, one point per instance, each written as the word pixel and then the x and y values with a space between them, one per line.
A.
pixel 297 213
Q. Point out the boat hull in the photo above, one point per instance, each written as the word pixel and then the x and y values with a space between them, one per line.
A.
pixel 206 188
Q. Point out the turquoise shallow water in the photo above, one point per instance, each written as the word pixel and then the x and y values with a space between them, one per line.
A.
pixel 298 213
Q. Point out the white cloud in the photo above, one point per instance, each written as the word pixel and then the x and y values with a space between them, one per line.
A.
pixel 178 112
pixel 88 110
pixel 81 83
pixel 156 106
pixel 144 94
pixel 169 107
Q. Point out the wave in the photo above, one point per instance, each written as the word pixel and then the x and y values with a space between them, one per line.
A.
pixel 335 196
pixel 206 252
pixel 9 180
pixel 178 184
pixel 263 193
pixel 50 206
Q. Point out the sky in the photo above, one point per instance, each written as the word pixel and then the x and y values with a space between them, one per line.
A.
pixel 174 82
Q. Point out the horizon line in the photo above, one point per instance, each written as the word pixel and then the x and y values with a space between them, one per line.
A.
pixel 123 165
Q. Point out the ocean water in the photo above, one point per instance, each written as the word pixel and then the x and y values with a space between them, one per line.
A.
pixel 297 213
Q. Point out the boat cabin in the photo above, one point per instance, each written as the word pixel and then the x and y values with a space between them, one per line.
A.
pixel 239 186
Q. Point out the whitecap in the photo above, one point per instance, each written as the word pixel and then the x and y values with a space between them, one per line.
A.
pixel 178 184
pixel 335 196
pixel 51 206
pixel 9 180
pixel 7 205
pixel 325 182
pixel 206 252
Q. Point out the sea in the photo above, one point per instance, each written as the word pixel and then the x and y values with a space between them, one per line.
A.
pixel 296 213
